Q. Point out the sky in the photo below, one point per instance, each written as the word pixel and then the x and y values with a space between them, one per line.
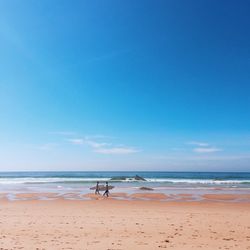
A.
pixel 125 85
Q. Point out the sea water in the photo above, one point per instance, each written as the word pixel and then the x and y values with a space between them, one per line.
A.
pixel 164 182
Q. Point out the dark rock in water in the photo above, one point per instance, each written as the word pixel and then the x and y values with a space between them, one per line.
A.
pixel 102 187
pixel 124 178
pixel 139 178
pixel 146 188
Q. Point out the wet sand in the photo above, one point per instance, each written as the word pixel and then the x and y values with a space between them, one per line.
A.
pixel 153 196
pixel 124 224
pixel 126 196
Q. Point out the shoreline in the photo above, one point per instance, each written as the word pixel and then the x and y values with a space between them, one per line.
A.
pixel 150 196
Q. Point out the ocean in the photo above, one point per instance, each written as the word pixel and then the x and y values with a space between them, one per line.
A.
pixel 164 182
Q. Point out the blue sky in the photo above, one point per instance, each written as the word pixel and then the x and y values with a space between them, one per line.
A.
pixel 125 85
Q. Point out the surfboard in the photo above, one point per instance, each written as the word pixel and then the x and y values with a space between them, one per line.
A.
pixel 102 187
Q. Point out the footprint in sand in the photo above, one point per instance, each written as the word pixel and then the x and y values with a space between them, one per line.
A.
pixel 166 241
pixel 228 239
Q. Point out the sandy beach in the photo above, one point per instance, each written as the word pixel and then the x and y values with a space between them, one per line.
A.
pixel 113 224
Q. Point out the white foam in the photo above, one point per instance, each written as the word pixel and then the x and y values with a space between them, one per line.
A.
pixel 198 181
pixel 32 180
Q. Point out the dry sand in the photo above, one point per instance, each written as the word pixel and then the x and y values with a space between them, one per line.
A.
pixel 123 224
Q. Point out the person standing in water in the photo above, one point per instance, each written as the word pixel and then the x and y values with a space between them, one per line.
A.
pixel 106 190
pixel 97 189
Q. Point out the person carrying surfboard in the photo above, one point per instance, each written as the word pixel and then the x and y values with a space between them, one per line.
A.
pixel 97 189
pixel 106 190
